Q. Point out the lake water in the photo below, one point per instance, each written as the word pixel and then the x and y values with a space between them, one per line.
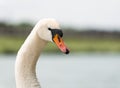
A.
pixel 68 71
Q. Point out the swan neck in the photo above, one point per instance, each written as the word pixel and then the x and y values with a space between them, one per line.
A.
pixel 25 67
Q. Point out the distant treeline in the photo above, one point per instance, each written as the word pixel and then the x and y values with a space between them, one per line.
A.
pixel 23 29
pixel 92 34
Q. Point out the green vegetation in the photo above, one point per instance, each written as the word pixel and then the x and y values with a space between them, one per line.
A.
pixel 94 45
pixel 12 44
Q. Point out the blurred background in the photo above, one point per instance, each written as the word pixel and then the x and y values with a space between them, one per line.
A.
pixel 91 30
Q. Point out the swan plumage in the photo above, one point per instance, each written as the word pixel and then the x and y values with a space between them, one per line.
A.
pixel 25 66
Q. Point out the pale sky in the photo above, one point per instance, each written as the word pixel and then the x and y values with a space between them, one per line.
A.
pixel 78 13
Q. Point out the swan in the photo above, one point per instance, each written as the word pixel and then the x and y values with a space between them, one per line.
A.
pixel 25 65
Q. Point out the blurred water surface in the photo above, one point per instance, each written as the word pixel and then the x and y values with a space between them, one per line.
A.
pixel 86 70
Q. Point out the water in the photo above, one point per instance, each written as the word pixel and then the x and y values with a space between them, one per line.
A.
pixel 68 71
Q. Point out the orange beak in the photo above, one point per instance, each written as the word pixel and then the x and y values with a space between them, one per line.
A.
pixel 60 43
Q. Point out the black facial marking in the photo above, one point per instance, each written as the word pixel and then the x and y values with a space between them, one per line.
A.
pixel 56 31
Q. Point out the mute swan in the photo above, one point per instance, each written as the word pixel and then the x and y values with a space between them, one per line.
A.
pixel 25 66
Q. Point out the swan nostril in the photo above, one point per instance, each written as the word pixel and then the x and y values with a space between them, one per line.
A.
pixel 59 39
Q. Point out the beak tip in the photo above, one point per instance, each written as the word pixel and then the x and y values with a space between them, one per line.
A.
pixel 67 51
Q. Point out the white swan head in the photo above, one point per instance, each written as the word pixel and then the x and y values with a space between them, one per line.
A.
pixel 49 30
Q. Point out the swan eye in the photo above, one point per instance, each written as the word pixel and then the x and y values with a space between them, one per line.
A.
pixel 49 29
